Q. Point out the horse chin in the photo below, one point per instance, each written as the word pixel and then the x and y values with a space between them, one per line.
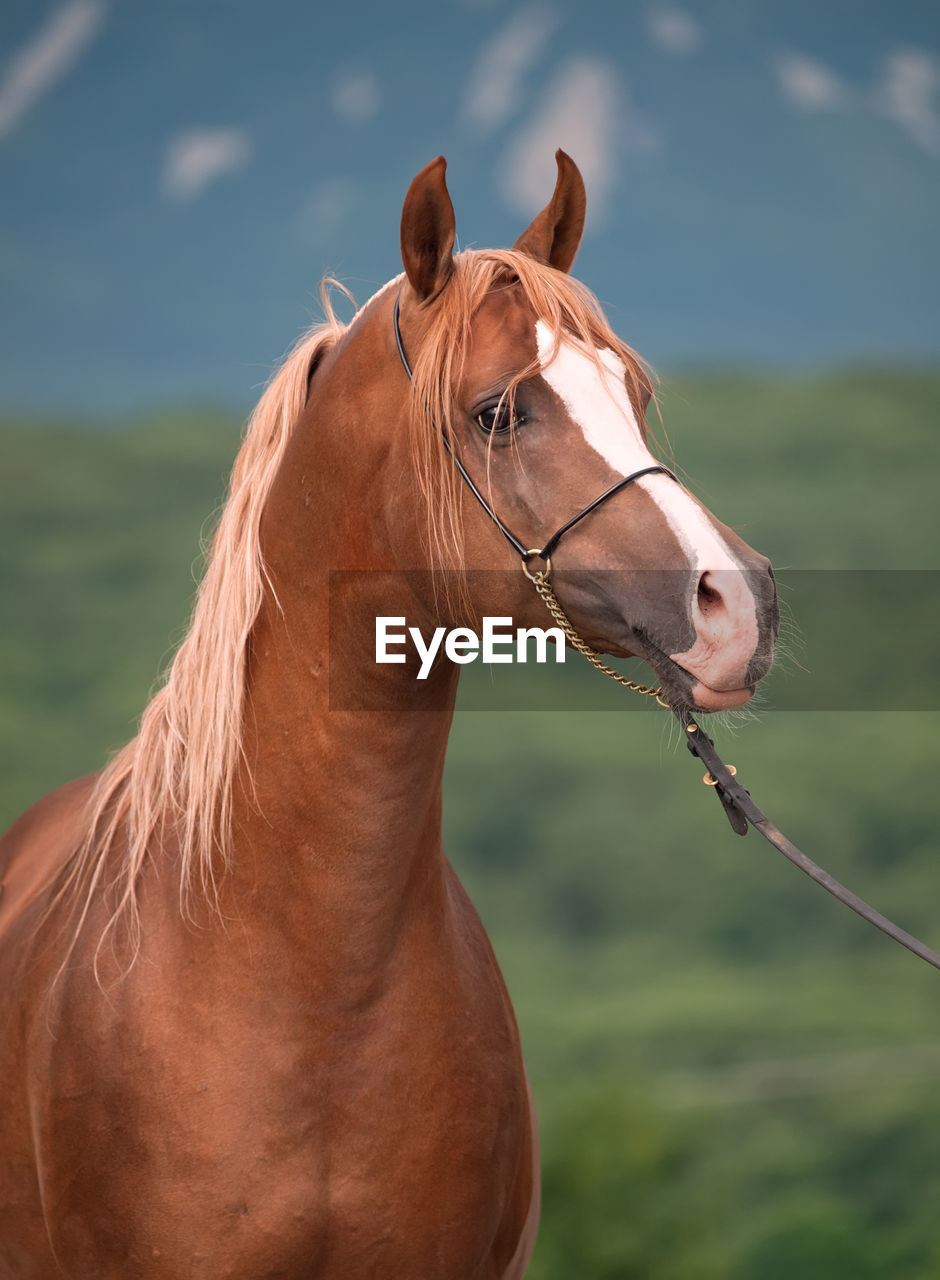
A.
pixel 706 699
pixel 685 692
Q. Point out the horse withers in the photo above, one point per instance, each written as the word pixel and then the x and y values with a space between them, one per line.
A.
pixel 250 1023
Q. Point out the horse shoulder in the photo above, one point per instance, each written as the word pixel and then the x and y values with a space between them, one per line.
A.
pixel 36 847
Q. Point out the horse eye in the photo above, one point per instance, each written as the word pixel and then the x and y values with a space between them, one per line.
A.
pixel 497 419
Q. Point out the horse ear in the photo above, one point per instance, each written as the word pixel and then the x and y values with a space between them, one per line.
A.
pixel 554 236
pixel 427 231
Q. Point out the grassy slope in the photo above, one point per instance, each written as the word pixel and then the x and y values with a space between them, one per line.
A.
pixel 734 1075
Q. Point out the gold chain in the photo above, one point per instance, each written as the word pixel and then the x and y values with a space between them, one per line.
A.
pixel 539 579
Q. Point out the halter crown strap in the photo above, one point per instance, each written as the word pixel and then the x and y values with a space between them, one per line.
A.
pixel 398 339
pixel 517 543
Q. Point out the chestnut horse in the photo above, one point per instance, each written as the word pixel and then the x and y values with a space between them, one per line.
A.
pixel 251 1023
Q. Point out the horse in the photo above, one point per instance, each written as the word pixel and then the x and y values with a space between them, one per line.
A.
pixel 251 1023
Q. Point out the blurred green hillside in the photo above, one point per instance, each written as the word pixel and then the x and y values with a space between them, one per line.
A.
pixel 737 1079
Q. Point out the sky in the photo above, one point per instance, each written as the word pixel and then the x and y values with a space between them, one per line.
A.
pixel 175 179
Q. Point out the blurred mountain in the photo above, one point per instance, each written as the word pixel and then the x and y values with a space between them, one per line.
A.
pixel 763 175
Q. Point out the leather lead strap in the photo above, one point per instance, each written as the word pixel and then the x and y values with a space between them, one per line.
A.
pixel 742 810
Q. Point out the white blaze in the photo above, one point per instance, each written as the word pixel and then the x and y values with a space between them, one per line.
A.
pixel 596 400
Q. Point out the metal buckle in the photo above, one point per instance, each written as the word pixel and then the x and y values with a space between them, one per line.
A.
pixel 713 782
pixel 540 575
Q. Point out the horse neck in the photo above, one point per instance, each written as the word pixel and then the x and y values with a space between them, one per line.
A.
pixel 341 804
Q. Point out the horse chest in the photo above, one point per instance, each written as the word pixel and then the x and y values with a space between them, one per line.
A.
pixel 343 1143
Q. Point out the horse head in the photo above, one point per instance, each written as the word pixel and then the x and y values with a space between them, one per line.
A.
pixel 545 410
pixel 508 383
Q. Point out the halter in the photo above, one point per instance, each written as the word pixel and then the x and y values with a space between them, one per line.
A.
pixel 540 577
pixel 527 553
pixel 735 799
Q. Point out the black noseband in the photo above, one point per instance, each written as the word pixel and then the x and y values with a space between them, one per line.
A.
pixel 527 553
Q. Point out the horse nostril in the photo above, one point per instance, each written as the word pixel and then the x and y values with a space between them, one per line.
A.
pixel 709 598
